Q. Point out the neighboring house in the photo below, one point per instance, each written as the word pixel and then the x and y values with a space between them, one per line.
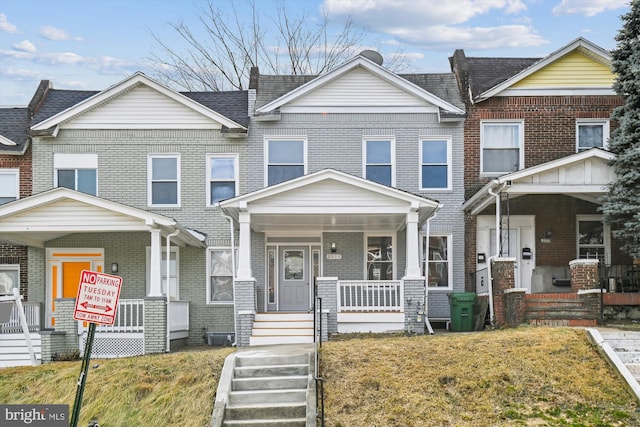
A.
pixel 536 163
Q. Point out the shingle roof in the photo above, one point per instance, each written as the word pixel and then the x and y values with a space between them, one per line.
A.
pixel 233 105
pixel 14 125
pixel 485 73
pixel 273 87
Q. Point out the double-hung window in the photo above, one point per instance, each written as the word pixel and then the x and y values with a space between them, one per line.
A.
pixel 592 238
pixel 379 258
pixel 502 147
pixel 220 288
pixel 435 256
pixel 435 170
pixel 591 133
pixel 222 177
pixel 164 180
pixel 379 160
pixel 9 185
pixel 76 171
pixel 286 159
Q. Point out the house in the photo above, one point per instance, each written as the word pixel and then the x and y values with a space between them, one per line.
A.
pixel 219 209
pixel 536 163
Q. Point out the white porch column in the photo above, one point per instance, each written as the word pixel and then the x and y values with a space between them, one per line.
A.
pixel 413 252
pixel 155 265
pixel 244 246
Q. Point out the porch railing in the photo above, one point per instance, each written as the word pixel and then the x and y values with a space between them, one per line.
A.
pixel 129 317
pixel 376 295
pixel 178 316
pixel 32 314
pixel 620 278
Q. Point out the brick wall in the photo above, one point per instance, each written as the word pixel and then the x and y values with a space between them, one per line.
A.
pixel 502 270
pixel 155 325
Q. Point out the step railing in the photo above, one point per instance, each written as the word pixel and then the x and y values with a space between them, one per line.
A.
pixel 317 345
pixel 32 314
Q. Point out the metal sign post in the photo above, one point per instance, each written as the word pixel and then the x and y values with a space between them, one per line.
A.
pixel 97 302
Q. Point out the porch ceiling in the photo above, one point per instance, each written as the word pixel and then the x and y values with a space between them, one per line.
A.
pixel 296 223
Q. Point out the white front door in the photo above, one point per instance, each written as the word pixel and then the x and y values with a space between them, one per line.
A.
pixel 294 278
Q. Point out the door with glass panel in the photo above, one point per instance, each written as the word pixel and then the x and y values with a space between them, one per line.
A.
pixel 294 278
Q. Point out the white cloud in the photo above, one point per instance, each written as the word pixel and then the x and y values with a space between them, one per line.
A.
pixel 587 7
pixel 56 34
pixel 25 46
pixel 21 73
pixel 6 26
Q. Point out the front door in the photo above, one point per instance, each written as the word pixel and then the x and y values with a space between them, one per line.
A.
pixel 294 278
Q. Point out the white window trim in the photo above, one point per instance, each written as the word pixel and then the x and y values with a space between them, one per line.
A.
pixel 16 173
pixel 172 249
pixel 605 131
pixel 303 139
pixel 606 241
pixel 521 145
pixel 150 157
pixel 208 276
pixel 449 162
pixel 394 257
pixel 236 173
pixel 392 148
pixel 10 267
pixel 75 162
pixel 425 261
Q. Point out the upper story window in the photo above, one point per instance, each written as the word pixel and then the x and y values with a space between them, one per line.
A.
pixel 222 177
pixel 591 133
pixel 501 147
pixel 9 185
pixel 76 171
pixel 435 170
pixel 164 180
pixel 379 161
pixel 286 159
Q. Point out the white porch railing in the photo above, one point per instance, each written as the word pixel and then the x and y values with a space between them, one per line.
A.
pixel 32 314
pixel 129 317
pixel 367 295
pixel 178 316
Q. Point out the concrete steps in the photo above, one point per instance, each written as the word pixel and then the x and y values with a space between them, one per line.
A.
pixel 269 388
pixel 282 328
pixel 626 345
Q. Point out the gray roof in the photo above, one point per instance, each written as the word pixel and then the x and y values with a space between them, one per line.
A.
pixel 486 73
pixel 273 87
pixel 14 125
pixel 233 105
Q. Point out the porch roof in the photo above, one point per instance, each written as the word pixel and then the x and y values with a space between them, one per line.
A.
pixel 34 220
pixel 329 200
pixel 585 175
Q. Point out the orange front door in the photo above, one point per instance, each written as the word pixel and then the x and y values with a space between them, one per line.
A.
pixel 70 281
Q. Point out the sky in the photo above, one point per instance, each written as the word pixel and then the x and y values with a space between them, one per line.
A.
pixel 93 44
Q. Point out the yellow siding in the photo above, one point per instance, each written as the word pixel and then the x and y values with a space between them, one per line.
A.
pixel 572 70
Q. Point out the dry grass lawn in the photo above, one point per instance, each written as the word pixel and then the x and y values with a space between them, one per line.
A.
pixel 516 377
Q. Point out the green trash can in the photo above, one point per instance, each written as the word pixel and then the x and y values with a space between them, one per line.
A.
pixel 462 311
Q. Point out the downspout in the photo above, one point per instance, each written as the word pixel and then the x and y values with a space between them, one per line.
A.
pixel 169 236
pixel 497 253
pixel 426 279
pixel 233 279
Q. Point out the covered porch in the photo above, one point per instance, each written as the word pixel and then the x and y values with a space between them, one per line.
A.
pixel 356 240
pixel 67 232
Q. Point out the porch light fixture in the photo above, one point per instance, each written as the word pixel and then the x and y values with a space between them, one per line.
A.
pixel 334 248
pixel 114 267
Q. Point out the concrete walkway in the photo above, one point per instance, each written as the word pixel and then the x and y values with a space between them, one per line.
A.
pixel 622 350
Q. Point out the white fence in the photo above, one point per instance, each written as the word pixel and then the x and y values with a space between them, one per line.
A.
pixel 178 316
pixel 129 317
pixel 32 313
pixel 370 296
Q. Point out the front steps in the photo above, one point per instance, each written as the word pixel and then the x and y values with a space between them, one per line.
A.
pixel 558 309
pixel 626 345
pixel 282 328
pixel 271 388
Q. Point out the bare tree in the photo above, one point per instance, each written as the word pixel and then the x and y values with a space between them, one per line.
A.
pixel 222 57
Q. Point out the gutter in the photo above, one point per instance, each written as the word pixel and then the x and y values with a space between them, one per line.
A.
pixel 169 236
pixel 497 253
pixel 426 284
pixel 233 275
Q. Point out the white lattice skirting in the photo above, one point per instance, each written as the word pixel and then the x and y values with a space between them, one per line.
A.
pixel 113 345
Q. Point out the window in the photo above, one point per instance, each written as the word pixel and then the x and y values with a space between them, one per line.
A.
pixel 592 238
pixel 501 147
pixel 9 278
pixel 220 276
pixel 379 161
pixel 285 160
pixel 435 159
pixel 222 177
pixel 591 133
pixel 9 185
pixel 173 273
pixel 379 258
pixel 435 257
pixel 77 172
pixel 164 176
